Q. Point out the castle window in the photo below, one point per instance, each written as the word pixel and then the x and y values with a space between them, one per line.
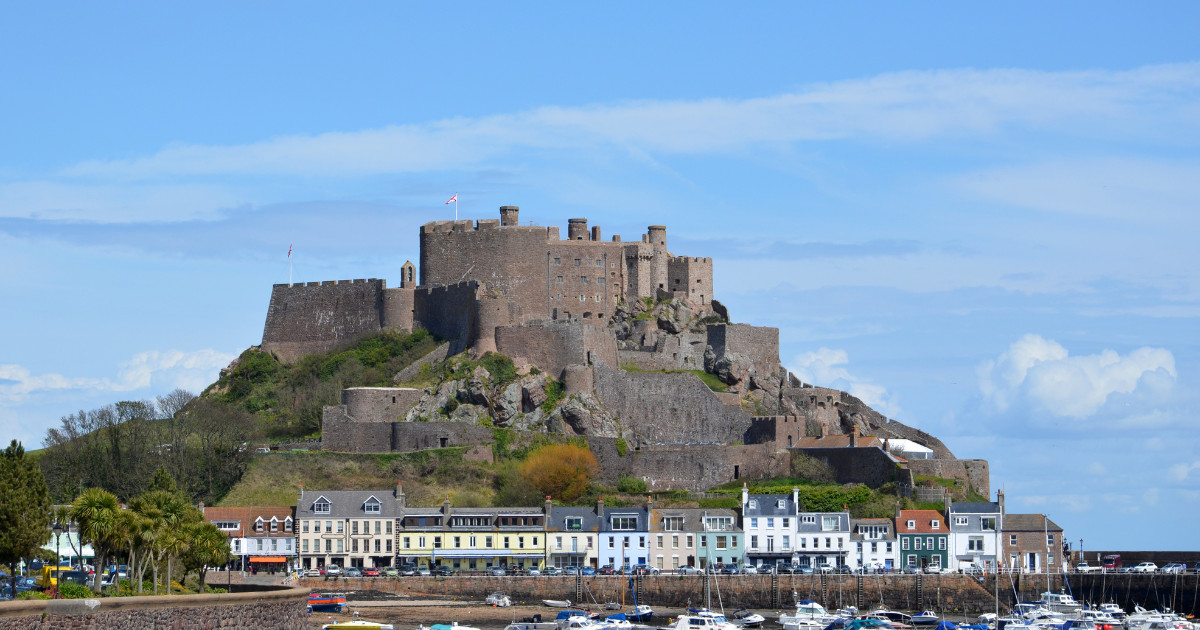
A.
pixel 576 262
pixel 587 315
pixel 676 280
pixel 697 280
pixel 612 265
pixel 558 261
pixel 583 279
pixel 582 298
pixel 597 297
pixel 598 263
pixel 559 279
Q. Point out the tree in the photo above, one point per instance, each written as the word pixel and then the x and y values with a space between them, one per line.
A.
pixel 95 514
pixel 207 546
pixel 24 507
pixel 560 470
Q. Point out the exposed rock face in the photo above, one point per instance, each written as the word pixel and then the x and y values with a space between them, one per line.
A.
pixel 584 415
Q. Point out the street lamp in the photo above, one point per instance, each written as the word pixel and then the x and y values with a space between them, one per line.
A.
pixel 58 530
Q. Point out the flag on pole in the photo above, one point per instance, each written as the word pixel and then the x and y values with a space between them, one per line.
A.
pixel 289 250
pixel 454 199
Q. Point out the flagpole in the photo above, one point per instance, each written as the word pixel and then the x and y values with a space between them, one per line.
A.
pixel 456 206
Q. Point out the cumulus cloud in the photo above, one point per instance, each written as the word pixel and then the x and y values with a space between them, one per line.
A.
pixel 826 367
pixel 1041 373
pixel 163 370
pixel 1180 472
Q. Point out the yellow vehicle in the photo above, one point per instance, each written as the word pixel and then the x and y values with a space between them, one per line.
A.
pixel 49 576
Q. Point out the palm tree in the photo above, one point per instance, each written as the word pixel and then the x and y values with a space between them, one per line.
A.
pixel 95 514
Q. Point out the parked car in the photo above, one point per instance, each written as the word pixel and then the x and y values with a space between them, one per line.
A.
pixel 332 570
pixel 353 572
pixel 912 568
pixel 688 569
pixel 1146 567
pixel 552 571
pixel 750 569
pixel 607 569
pixel 408 568
pixel 312 573
pixel 826 567
pixel 784 568
pixel 729 569
pixel 645 569
pixel 588 571
pixel 391 572
pixel 1084 567
pixel 533 571
pixel 497 571
pixel 424 572
pixel 1174 567
pixel 443 571
pixel 370 572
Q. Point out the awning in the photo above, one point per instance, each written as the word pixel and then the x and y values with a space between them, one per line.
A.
pixel 268 559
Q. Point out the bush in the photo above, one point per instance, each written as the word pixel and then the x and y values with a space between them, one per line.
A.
pixel 71 590
pixel 554 395
pixel 622 447
pixel 500 367
pixel 33 595
pixel 631 484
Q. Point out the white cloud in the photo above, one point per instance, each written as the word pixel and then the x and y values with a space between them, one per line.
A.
pixel 163 371
pixel 1180 472
pixel 1040 372
pixel 824 367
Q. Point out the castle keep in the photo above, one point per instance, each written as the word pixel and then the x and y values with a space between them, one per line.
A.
pixel 479 276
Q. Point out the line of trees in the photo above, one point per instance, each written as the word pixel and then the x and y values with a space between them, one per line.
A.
pixel 118 447
pixel 159 534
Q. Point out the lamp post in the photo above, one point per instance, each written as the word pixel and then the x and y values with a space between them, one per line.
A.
pixel 57 529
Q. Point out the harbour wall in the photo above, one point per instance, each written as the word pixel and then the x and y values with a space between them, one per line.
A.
pixel 947 594
pixel 279 609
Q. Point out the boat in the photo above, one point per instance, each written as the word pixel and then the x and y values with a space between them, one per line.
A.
pixel 1061 603
pixel 641 613
pixel 809 615
pixel 1116 611
pixel 578 621
pixel 443 626
pixel 893 618
pixel 747 619
pixel 357 624
pixel 499 600
pixel 925 618
pixel 616 622
pixel 326 602
pixel 557 603
pixel 532 623
pixel 703 619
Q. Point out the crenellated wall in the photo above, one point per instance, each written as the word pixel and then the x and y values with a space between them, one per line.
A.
pixel 317 317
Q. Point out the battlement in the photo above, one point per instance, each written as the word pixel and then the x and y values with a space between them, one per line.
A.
pixel 446 289
pixel 470 225
pixel 325 283
pixel 691 259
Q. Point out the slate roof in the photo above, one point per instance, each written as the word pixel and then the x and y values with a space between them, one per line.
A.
pixel 348 504
pixel 983 507
pixel 558 519
pixel 768 505
pixel 887 523
pixel 1029 523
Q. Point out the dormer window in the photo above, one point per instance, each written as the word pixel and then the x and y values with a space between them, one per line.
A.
pixel 574 523
pixel 935 524
pixel 753 504
pixel 274 524
pixel 911 524
pixel 321 506
pixel 258 525
pixel 371 506
pixel 779 504
pixel 287 524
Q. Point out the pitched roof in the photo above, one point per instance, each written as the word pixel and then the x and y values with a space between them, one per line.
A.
pixel 768 505
pixel 347 503
pixel 923 522
pixel 984 507
pixel 1029 523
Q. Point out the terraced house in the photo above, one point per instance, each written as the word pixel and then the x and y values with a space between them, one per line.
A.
pixel 974 533
pixel 924 539
pixel 823 539
pixel 472 539
pixel 694 537
pixel 624 534
pixel 874 541
pixel 571 535
pixel 348 528
pixel 769 525
pixel 259 536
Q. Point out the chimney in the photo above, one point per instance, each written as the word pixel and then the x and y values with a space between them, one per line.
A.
pixel 853 436
pixel 824 430
pixel 795 500
pixel 300 495
pixel 1000 500
pixel 446 506
pixel 596 233
pixel 946 498
pixel 599 507
pixel 577 229
pixel 399 494
pixel 745 496
pixel 547 507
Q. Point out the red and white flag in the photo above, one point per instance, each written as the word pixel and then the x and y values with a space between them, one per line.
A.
pixel 454 198
pixel 289 250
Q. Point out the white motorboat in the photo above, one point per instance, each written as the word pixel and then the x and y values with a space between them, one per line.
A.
pixel 357 624
pixel 557 603
pixel 1116 611
pixel 809 615
pixel 1061 603
pixel 499 600
pixel 702 620
pixel 925 618
pixel 748 619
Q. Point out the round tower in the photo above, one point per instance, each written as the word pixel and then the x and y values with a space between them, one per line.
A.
pixel 577 229
pixel 508 215
pixel 658 235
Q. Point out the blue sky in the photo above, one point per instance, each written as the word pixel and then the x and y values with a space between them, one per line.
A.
pixel 980 220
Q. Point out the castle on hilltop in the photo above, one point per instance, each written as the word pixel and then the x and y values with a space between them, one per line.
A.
pixel 625 327
pixel 478 276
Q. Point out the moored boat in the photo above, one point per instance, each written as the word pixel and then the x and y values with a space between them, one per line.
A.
pixel 1061 603
pixel 809 615
pixel 925 618
pixel 499 600
pixel 702 619
pixel 357 624
pixel 640 613
pixel 747 619
pixel 557 603
pixel 326 602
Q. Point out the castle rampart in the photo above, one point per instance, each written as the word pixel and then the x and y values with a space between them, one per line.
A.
pixel 318 317
pixel 552 346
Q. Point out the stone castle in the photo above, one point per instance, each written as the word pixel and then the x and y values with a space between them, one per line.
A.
pixel 618 323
